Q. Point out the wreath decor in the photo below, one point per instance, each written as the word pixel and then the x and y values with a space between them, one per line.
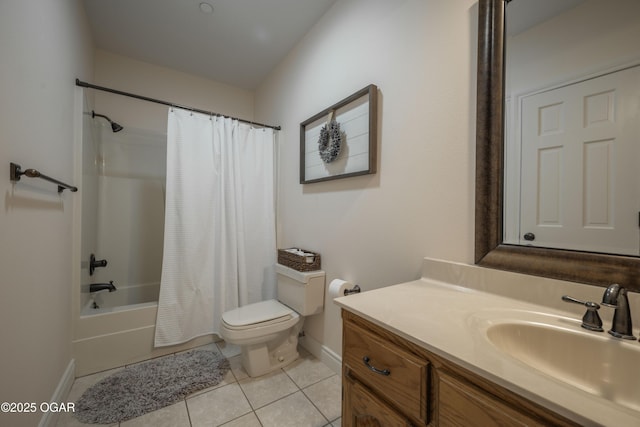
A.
pixel 330 141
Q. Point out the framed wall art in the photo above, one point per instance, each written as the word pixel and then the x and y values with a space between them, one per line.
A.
pixel 341 141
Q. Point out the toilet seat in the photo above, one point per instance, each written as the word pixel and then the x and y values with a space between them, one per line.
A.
pixel 260 314
pixel 257 323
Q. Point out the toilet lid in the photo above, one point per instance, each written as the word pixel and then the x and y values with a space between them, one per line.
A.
pixel 259 312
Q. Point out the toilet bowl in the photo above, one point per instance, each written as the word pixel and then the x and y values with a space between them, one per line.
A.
pixel 267 331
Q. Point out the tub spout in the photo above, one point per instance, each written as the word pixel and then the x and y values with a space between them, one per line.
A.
pixel 95 287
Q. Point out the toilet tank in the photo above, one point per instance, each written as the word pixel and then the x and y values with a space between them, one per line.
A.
pixel 301 291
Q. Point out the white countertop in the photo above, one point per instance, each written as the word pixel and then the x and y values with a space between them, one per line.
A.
pixel 447 320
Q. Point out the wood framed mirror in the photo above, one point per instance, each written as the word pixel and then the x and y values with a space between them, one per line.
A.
pixel 598 269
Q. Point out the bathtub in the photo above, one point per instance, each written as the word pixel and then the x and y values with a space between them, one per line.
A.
pixel 118 328
pixel 124 298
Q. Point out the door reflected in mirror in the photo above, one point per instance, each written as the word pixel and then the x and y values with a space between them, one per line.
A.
pixel 572 125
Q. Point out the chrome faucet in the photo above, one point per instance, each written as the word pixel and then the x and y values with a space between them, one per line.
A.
pixel 616 296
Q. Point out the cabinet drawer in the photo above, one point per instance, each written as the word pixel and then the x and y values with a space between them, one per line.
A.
pixel 461 404
pixel 387 369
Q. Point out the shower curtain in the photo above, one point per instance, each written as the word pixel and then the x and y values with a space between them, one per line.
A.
pixel 219 235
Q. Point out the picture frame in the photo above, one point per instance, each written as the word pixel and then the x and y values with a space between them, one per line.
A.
pixel 357 116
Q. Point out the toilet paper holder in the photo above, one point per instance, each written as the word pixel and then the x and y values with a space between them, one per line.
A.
pixel 354 290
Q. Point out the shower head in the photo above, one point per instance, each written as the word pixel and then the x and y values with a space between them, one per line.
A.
pixel 114 126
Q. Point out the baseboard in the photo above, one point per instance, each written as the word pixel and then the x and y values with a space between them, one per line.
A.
pixel 332 359
pixel 324 353
pixel 60 394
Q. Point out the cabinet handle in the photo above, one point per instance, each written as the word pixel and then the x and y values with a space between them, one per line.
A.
pixel 384 372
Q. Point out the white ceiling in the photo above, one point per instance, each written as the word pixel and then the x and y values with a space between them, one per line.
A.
pixel 238 44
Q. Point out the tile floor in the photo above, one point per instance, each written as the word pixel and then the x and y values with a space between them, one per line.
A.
pixel 305 393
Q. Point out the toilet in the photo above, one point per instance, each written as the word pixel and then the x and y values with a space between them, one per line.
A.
pixel 267 331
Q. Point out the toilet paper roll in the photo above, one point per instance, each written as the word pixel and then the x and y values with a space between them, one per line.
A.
pixel 337 287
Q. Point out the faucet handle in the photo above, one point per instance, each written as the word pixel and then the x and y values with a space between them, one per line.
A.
pixel 95 263
pixel 591 319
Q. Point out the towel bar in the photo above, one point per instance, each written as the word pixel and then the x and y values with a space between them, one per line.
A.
pixel 17 172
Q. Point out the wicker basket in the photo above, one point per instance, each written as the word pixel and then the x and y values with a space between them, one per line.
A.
pixel 299 262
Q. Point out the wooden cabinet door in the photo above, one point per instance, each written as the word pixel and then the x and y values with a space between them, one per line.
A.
pixel 361 408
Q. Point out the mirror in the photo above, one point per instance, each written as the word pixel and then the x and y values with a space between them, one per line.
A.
pixel 572 85
pixel 491 248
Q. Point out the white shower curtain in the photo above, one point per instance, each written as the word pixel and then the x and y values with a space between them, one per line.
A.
pixel 219 235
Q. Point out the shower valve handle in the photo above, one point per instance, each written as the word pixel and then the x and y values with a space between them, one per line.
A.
pixel 95 263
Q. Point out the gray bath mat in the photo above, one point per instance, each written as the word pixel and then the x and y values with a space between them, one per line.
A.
pixel 151 385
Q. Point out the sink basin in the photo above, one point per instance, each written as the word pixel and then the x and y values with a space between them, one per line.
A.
pixel 594 362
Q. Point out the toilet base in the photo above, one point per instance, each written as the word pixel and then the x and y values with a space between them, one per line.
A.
pixel 262 358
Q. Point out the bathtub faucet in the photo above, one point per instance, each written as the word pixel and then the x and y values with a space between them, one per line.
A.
pixel 95 287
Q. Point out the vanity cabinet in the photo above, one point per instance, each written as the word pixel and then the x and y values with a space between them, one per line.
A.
pixel 389 381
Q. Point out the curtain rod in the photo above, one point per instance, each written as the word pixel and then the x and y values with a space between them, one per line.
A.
pixel 171 104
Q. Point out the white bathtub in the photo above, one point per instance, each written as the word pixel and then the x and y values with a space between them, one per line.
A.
pixel 121 330
pixel 124 298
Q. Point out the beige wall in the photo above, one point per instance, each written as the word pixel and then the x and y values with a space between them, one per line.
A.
pixel 141 78
pixel 44 46
pixel 374 230
pixel 602 37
